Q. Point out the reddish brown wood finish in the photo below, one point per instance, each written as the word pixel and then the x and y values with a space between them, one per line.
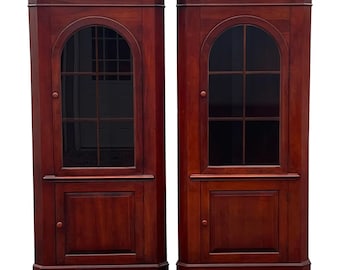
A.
pixel 243 217
pixel 109 218
pixel 243 2
pixel 116 3
pixel 111 231
pixel 56 84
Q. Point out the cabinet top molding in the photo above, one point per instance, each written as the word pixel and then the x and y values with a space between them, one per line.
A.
pixel 112 3
pixel 242 2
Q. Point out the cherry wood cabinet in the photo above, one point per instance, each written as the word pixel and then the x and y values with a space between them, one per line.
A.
pixel 243 97
pixel 98 133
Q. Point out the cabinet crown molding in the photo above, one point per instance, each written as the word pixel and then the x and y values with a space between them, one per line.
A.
pixel 112 3
pixel 243 2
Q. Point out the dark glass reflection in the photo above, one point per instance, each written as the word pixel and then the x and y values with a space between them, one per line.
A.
pixel 244 98
pixel 225 96
pixel 78 52
pixel 262 142
pixel 79 144
pixel 227 51
pixel 124 50
pixel 261 50
pixel 263 95
pixel 225 143
pixel 78 96
pixel 97 100
pixel 116 141
pixel 120 100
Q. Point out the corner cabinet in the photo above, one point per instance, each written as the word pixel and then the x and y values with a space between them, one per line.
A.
pixel 243 69
pixel 98 134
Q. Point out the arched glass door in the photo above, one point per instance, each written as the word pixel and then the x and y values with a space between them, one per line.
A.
pixel 98 108
pixel 244 98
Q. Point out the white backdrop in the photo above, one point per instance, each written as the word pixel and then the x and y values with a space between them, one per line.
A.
pixel 16 197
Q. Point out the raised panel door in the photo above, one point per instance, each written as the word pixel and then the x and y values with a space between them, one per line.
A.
pixel 99 223
pixel 247 221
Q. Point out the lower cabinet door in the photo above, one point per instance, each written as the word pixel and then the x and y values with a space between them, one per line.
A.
pixel 99 223
pixel 243 222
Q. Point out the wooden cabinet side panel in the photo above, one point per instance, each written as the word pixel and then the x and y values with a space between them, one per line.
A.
pixel 153 100
pixel 188 118
pixel 299 125
pixel 42 135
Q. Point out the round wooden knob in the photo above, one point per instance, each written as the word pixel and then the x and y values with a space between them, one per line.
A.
pixel 203 93
pixel 204 222
pixel 59 224
pixel 55 94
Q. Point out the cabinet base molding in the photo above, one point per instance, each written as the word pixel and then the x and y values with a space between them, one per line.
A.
pixel 161 266
pixel 245 266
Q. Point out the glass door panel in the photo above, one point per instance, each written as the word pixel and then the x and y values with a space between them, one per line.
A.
pixel 262 139
pixel 98 113
pixel 116 143
pixel 244 98
pixel 79 144
pixel 262 95
pixel 261 50
pixel 78 96
pixel 227 53
pixel 227 96
pixel 225 142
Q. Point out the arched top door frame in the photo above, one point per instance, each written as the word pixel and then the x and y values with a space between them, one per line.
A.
pixel 241 20
pixel 82 23
pixel 57 50
pixel 206 47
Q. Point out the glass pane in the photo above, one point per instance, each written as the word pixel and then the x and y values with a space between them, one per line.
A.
pixel 263 95
pixel 78 96
pixel 101 66
pixel 124 66
pixel 124 50
pixel 111 66
pixel 78 51
pixel 79 144
pixel 68 62
pixel 99 31
pixel 101 102
pixel 111 49
pixel 100 47
pixel 227 51
pixel 116 99
pixel 109 33
pixel 262 142
pixel 225 143
pixel 225 95
pixel 262 51
pixel 236 94
pixel 116 143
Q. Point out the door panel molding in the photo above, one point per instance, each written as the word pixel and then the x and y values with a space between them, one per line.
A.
pixel 99 222
pixel 246 220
